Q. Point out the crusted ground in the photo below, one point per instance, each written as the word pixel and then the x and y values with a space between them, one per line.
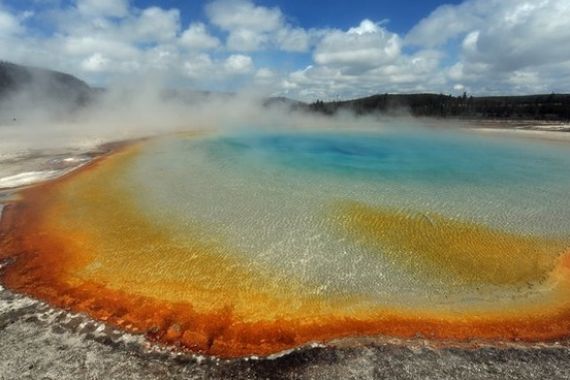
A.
pixel 37 342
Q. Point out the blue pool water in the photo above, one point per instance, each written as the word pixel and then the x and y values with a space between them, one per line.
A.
pixel 411 155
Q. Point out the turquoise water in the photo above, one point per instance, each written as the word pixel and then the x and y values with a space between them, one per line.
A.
pixel 269 194
pixel 413 156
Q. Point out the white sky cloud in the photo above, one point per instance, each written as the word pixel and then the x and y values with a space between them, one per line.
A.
pixel 522 35
pixel 251 27
pixel 8 23
pixel 448 21
pixel 95 63
pixel 242 14
pixel 365 46
pixel 504 45
pixel 246 40
pixel 238 64
pixel 197 66
pixel 408 73
pixel 293 39
pixel 153 25
pixel 113 8
pixel 197 37
pixel 203 68
pixel 483 46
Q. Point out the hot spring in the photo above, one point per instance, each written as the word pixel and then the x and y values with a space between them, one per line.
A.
pixel 252 242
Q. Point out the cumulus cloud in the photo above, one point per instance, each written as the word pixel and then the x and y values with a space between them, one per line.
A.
pixel 264 77
pixel 408 73
pixel 480 46
pixel 10 24
pixel 197 37
pixel 149 25
pixel 101 40
pixel 363 60
pixel 112 8
pixel 295 39
pixel 506 29
pixel 504 45
pixel 242 14
pixel 197 66
pixel 238 64
pixel 246 40
pixel 153 24
pixel 96 63
pixel 252 27
pixel 525 34
pixel 449 21
pixel 365 46
pixel 203 69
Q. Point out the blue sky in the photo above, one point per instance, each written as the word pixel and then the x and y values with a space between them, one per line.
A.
pixel 302 49
pixel 402 14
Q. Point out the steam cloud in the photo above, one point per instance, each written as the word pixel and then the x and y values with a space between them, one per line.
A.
pixel 44 114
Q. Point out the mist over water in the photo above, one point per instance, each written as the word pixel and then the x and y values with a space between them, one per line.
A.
pixel 41 120
pixel 135 109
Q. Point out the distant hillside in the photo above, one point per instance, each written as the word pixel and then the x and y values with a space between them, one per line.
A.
pixel 283 101
pixel 26 89
pixel 22 87
pixel 535 107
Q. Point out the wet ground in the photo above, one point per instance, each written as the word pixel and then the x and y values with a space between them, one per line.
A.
pixel 37 342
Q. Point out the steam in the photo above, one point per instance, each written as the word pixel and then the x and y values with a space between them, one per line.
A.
pixel 55 121
pixel 37 117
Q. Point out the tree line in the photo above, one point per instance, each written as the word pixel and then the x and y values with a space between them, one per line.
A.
pixel 554 107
